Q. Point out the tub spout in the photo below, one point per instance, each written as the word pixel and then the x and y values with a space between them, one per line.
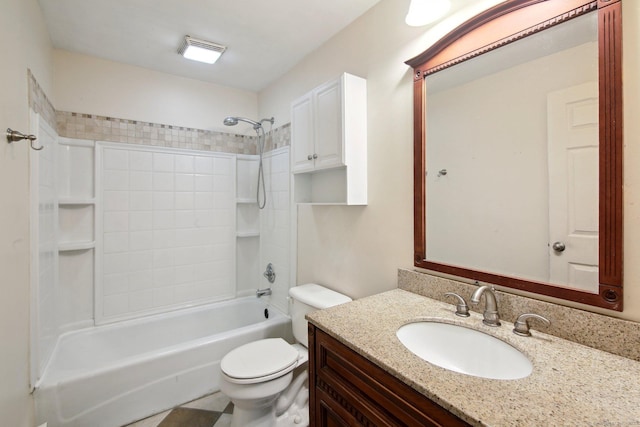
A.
pixel 263 292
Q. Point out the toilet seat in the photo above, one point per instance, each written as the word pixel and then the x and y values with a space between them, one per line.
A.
pixel 259 361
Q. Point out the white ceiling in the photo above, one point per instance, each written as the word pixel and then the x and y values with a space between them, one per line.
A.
pixel 264 38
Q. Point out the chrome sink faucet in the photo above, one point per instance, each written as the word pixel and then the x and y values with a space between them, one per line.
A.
pixel 491 316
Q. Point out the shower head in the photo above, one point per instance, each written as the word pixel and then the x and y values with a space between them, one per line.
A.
pixel 257 126
pixel 232 121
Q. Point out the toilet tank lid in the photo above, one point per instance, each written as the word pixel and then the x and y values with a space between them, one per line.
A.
pixel 317 296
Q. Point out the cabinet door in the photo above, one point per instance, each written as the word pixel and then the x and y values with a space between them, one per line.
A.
pixel 302 134
pixel 328 126
pixel 331 414
pixel 347 389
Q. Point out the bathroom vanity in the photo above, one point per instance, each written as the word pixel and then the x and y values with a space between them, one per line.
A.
pixel 361 374
pixel 350 390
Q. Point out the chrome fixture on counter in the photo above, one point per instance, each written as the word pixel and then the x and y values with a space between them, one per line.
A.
pixel 269 273
pixel 462 309
pixel 522 324
pixel 263 292
pixel 14 136
pixel 491 317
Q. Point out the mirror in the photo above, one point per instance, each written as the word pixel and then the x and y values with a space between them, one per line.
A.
pixel 518 145
pixel 512 159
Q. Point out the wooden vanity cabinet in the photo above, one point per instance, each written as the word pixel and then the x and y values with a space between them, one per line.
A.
pixel 348 390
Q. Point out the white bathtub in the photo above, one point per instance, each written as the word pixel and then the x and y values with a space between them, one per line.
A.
pixel 112 375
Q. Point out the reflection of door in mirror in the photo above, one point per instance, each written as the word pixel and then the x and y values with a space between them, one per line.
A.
pixel 572 118
pixel 488 126
pixel 489 221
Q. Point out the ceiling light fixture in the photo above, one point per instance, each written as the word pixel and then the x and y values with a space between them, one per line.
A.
pixel 423 12
pixel 201 50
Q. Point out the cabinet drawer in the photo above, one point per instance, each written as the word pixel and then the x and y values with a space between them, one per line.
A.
pixel 351 390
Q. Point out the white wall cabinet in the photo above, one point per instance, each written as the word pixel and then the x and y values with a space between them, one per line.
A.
pixel 329 143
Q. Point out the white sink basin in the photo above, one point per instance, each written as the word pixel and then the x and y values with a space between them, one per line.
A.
pixel 464 350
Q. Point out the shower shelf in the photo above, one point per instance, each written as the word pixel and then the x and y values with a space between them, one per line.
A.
pixel 71 201
pixel 250 233
pixel 246 201
pixel 76 246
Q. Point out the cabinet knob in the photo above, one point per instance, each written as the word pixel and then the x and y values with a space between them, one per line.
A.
pixel 315 156
pixel 309 157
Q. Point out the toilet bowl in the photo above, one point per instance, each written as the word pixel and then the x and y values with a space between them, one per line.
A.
pixel 267 379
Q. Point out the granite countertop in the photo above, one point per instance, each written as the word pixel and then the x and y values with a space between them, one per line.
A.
pixel 571 384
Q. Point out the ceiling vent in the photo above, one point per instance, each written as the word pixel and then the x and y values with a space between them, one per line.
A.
pixel 201 50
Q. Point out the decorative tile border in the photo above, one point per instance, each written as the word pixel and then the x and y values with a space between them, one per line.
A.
pixel 39 102
pixel 617 336
pixel 278 137
pixel 101 128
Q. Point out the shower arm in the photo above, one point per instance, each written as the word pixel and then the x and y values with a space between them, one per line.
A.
pixel 257 126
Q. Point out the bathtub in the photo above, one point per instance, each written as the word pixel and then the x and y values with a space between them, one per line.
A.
pixel 111 375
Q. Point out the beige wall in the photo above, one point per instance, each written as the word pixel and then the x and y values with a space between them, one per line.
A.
pixel 357 250
pixel 24 44
pixel 86 84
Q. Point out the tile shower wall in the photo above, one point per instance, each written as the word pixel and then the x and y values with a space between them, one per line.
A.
pixel 45 321
pixel 275 226
pixel 167 223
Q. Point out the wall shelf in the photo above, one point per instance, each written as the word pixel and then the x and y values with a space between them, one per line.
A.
pixel 76 201
pixel 245 201
pixel 248 233
pixel 76 246
pixel 247 225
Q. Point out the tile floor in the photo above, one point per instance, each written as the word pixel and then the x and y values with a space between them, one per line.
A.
pixel 210 411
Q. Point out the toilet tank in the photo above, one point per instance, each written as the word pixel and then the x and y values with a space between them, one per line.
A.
pixel 307 298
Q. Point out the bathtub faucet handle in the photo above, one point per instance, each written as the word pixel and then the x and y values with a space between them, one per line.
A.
pixel 270 273
pixel 263 292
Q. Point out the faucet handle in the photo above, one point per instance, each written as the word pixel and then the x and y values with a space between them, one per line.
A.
pixel 522 324
pixel 462 309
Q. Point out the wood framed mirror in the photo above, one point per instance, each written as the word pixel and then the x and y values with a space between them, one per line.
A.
pixel 506 25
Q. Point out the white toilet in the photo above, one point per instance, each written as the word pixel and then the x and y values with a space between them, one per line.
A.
pixel 259 377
